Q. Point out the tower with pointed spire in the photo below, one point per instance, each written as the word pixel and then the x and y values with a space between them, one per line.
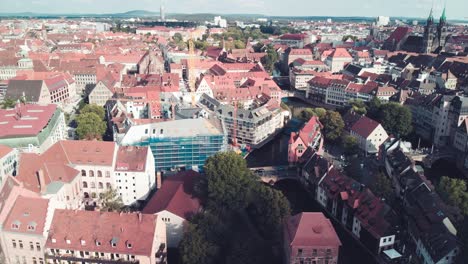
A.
pixel 435 35
pixel 429 34
pixel 442 29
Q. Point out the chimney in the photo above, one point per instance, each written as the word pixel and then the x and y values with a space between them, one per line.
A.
pixel 158 180
pixel 139 217
pixel 41 180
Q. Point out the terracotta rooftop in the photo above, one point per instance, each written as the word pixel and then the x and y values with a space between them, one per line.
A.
pixel 4 150
pixel 25 120
pixel 176 196
pixel 95 231
pixel 131 158
pixel 364 126
pixel 28 215
pixel 311 229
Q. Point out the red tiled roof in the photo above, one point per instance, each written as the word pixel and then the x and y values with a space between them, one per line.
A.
pixel 340 53
pixel 176 196
pixel 28 215
pixel 399 34
pixel 364 126
pixel 25 120
pixel 104 227
pixel 294 36
pixel 4 150
pixel 311 229
pixel 131 158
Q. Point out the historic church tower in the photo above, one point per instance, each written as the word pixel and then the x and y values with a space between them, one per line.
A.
pixel 435 36
pixel 442 30
pixel 430 32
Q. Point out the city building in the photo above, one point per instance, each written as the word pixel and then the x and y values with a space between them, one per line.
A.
pixel 310 238
pixel 179 143
pixel 8 162
pixel 32 128
pixel 370 134
pixel 105 237
pixel 175 203
pixel 31 91
pixel 293 40
pixel 382 21
pixel 435 36
pixel 10 66
pixel 251 126
pixel 338 59
pixel 24 231
pixel 308 136
pixel 134 173
pixel 101 93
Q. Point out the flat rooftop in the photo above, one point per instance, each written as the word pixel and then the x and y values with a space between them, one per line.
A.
pixel 25 120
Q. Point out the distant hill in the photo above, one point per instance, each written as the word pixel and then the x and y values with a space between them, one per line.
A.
pixel 133 13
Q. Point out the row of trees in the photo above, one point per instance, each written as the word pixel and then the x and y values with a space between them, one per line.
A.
pixel 90 122
pixel 243 218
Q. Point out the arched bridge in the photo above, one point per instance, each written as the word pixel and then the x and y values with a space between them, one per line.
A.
pixel 271 175
pixel 442 154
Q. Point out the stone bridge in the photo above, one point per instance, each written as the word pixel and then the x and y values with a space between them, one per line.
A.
pixel 271 175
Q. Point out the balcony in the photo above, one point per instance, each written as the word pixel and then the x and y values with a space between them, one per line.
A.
pixel 68 257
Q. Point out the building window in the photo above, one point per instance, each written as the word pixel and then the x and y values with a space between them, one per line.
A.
pixel 91 173
pixel 100 185
pixel 20 242
pixel 85 184
pixel 93 185
pixel 13 242
pixel 299 251
pixel 107 174
pixel 38 246
pixel 108 185
pixel 83 173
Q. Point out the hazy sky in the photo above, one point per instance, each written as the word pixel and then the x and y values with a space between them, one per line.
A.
pixel 456 9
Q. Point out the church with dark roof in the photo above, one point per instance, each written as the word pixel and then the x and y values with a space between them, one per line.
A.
pixel 435 35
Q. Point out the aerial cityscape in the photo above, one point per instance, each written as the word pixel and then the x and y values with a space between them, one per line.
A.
pixel 209 132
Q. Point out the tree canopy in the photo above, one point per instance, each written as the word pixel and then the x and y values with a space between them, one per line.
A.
pixel 454 193
pixel 8 103
pixel 110 201
pixel 396 119
pixel 333 125
pixel 94 108
pixel 270 59
pixel 382 186
pixel 228 181
pixel 268 210
pixel 90 126
pixel 358 106
pixel 350 145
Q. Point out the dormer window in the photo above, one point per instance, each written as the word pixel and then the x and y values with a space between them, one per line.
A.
pixel 113 244
pixel 68 241
pixel 54 240
pixel 83 242
pixel 129 245
pixel 15 225
pixel 114 241
pixel 98 243
pixel 31 228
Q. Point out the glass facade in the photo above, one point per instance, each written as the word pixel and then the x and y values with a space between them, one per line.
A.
pixel 175 152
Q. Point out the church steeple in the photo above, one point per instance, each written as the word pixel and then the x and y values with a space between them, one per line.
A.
pixel 443 19
pixel 430 18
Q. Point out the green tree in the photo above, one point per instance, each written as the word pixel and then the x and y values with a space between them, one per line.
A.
pixel 94 108
pixel 454 193
pixel 396 119
pixel 268 210
pixel 350 145
pixel 306 114
pixel 110 201
pixel 258 47
pixel 358 106
pixel 382 186
pixel 8 103
pixel 239 44
pixel 333 125
pixel 228 182
pixel 270 59
pixel 373 108
pixel 177 37
pixel 203 239
pixel 320 112
pixel 201 45
pixel 90 126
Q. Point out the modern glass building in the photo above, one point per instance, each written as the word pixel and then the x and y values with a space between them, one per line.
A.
pixel 179 143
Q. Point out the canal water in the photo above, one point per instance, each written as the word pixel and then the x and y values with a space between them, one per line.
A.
pixel 350 252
